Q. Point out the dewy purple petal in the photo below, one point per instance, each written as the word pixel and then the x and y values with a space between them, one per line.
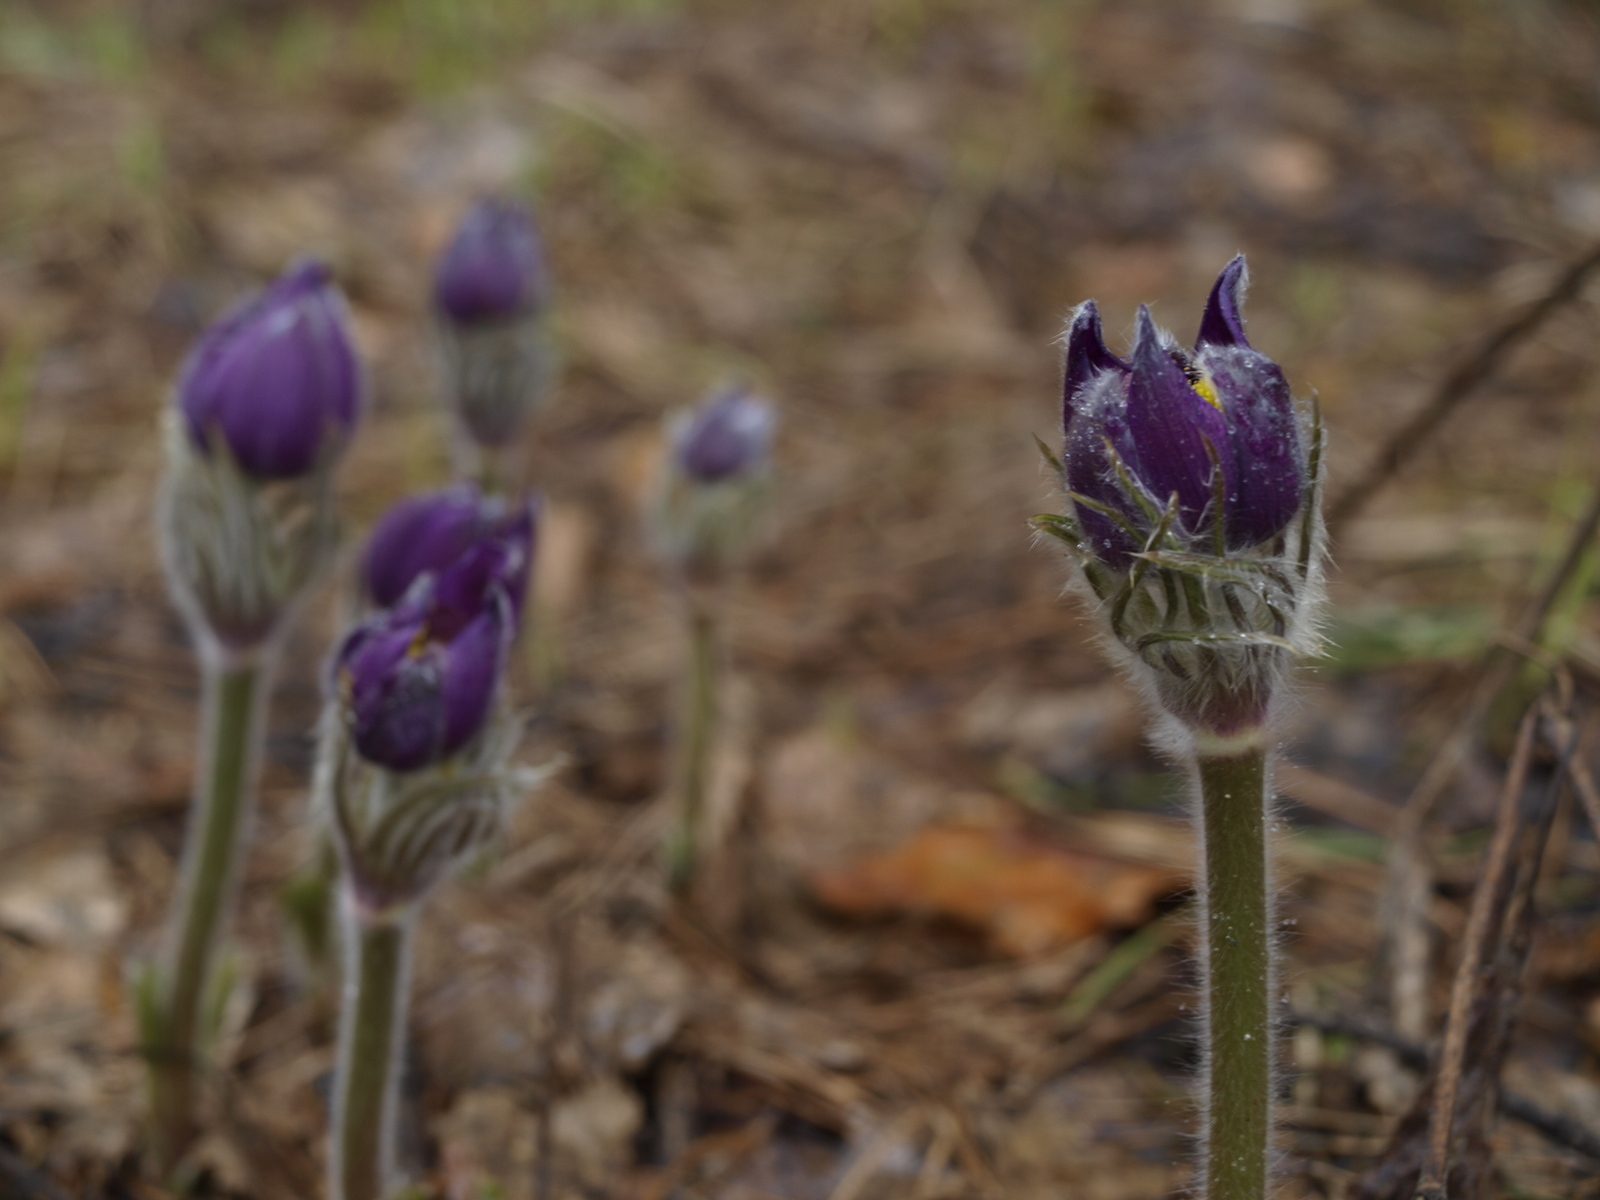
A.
pixel 1169 424
pixel 1222 323
pixel 1267 472
pixel 1086 357
pixel 1099 416
pixel 494 269
pixel 729 436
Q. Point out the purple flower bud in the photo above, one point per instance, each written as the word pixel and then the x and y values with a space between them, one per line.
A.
pixel 1175 420
pixel 429 533
pixel 729 435
pixel 419 678
pixel 494 269
pixel 276 378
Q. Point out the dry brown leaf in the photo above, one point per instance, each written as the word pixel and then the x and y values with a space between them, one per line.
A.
pixel 1028 895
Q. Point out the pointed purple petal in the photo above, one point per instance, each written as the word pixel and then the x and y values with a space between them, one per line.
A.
pixel 1222 324
pixel 1170 423
pixel 1086 356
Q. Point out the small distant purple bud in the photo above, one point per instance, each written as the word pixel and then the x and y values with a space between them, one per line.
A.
pixel 430 533
pixel 276 378
pixel 730 435
pixel 494 269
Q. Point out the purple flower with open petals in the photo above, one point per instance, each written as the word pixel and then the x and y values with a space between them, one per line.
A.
pixel 730 435
pixel 1215 422
pixel 276 378
pixel 494 269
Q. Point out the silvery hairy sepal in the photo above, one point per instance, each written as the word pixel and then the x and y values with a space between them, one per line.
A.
pixel 263 408
pixel 714 485
pixel 416 737
pixel 490 293
pixel 1194 480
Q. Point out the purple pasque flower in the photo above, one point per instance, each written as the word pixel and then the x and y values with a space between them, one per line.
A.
pixel 494 269
pixel 1175 420
pixel 276 378
pixel 417 681
pixel 729 435
pixel 430 532
pixel 419 678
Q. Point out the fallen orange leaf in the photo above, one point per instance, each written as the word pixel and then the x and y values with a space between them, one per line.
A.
pixel 1030 896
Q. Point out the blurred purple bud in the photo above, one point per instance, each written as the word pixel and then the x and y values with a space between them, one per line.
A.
pixel 418 681
pixel 727 436
pixel 494 269
pixel 430 533
pixel 276 378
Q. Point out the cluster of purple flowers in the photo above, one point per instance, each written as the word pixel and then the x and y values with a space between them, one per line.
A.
pixel 274 389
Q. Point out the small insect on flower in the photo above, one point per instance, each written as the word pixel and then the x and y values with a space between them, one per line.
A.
pixel 1195 481
pixel 276 379
pixel 490 290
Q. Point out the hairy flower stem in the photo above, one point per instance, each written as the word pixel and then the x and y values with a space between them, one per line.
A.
pixel 696 736
pixel 371 1036
pixel 1238 975
pixel 233 710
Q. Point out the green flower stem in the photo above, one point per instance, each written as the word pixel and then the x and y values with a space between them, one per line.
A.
pixel 234 693
pixel 697 735
pixel 1238 983
pixel 371 1036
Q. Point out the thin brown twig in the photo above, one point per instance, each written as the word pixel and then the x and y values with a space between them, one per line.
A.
pixel 1481 927
pixel 1588 794
pixel 1443 1140
pixel 1410 875
pixel 1560 1130
pixel 1471 375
